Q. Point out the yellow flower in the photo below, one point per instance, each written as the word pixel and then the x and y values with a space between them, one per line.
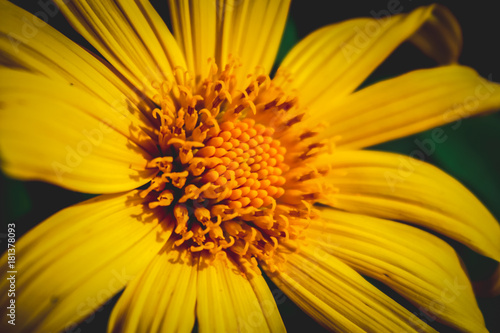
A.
pixel 213 173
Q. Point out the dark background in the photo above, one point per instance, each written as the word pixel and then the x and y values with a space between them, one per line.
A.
pixel 470 154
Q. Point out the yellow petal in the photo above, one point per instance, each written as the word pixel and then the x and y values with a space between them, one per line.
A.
pixel 333 61
pixel 409 104
pixel 194 28
pixel 337 297
pixel 30 43
pixel 130 35
pixel 162 298
pixel 229 302
pixel 55 132
pixel 249 31
pixel 72 263
pixel 252 32
pixel 267 303
pixel 398 187
pixel 420 266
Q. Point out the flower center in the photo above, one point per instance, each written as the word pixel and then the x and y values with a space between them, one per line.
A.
pixel 231 170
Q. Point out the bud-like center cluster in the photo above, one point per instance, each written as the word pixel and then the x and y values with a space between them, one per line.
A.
pixel 231 169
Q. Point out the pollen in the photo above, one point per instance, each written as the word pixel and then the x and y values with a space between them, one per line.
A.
pixel 234 169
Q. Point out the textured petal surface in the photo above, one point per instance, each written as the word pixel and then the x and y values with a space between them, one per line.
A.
pixel 72 263
pixel 408 104
pixel 401 188
pixel 194 25
pixel 130 35
pixel 58 133
pixel 162 298
pixel 337 297
pixel 333 61
pixel 30 43
pixel 249 31
pixel 421 267
pixel 229 302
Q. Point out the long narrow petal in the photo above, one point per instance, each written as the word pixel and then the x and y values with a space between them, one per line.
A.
pixel 130 35
pixel 32 44
pixel 420 266
pixel 194 28
pixel 58 133
pixel 72 263
pixel 333 61
pixel 267 303
pixel 249 31
pixel 401 188
pixel 162 298
pixel 229 302
pixel 337 297
pixel 408 104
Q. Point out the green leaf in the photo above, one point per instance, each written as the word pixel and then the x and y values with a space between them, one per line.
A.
pixel 470 153
pixel 288 40
pixel 15 200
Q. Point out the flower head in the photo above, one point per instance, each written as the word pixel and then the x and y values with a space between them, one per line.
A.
pixel 214 172
pixel 233 164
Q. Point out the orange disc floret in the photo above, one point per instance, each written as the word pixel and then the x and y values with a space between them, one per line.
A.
pixel 227 170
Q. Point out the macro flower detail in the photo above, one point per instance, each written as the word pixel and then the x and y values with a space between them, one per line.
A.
pixel 225 177
pixel 213 172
